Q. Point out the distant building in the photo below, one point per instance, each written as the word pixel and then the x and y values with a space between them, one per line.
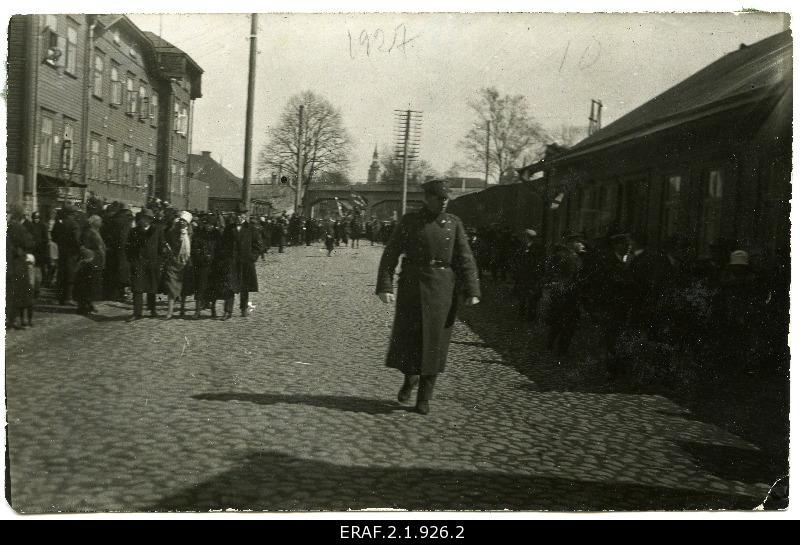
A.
pixel 374 168
pixel 224 187
pixel 96 105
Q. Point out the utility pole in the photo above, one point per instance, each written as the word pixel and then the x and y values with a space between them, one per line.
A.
pixel 488 133
pixel 408 128
pixel 248 137
pixel 299 184
pixel 595 117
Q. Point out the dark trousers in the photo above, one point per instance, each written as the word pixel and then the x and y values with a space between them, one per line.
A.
pixel 426 384
pixel 67 266
pixel 137 302
pixel 244 297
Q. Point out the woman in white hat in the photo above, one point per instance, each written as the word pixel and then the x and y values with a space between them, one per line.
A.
pixel 178 256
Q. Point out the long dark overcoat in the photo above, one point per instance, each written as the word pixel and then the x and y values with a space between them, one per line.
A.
pixel 239 251
pixel 145 252
pixel 437 269
pixel 205 245
pixel 19 293
pixel 118 271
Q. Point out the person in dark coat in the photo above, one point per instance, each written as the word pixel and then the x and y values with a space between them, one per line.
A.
pixel 561 290
pixel 240 250
pixel 528 267
pixel 355 231
pixel 118 271
pixel 19 292
pixel 66 234
pixel 145 251
pixel 279 232
pixel 41 244
pixel 437 269
pixel 617 291
pixel 89 278
pixel 205 245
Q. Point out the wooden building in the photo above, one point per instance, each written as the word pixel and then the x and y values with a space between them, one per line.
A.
pixel 96 106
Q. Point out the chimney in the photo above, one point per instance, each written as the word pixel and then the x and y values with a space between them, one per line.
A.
pixel 206 154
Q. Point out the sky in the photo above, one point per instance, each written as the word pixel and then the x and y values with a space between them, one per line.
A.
pixel 559 62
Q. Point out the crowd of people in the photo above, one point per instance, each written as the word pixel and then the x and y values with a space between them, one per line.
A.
pixel 105 252
pixel 651 305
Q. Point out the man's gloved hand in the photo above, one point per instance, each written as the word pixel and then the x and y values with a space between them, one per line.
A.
pixel 386 298
pixel 469 301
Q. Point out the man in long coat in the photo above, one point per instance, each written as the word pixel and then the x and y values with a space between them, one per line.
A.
pixel 438 267
pixel 118 272
pixel 145 249
pixel 67 234
pixel 239 251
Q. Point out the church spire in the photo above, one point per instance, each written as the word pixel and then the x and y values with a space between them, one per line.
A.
pixel 374 168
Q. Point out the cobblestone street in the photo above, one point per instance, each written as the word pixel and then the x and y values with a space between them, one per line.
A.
pixel 292 409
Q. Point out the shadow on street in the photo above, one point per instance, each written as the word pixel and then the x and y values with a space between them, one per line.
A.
pixel 339 403
pixel 274 481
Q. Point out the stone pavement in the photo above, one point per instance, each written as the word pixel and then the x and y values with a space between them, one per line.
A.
pixel 292 409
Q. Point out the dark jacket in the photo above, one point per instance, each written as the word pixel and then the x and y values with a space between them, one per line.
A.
pixel 118 271
pixel 438 267
pixel 19 293
pixel 239 251
pixel 145 250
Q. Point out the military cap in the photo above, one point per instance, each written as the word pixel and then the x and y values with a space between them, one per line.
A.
pixel 437 187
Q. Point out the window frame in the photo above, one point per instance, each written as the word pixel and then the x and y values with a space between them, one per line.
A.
pixel 94 157
pixel 116 85
pixel 46 141
pixel 131 95
pixel 111 161
pixel 71 51
pixel 98 56
pixel 68 136
pixel 671 204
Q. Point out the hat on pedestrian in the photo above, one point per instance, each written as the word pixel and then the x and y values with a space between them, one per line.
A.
pixel 146 213
pixel 530 232
pixel 124 206
pixel 620 238
pixel 740 257
pixel 95 220
pixel 570 236
pixel 70 208
pixel 241 209
pixel 186 216
pixel 436 187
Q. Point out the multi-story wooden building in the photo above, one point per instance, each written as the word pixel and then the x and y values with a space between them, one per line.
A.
pixel 97 106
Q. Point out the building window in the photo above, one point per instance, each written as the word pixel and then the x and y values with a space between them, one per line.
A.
pixel 111 164
pixel 116 86
pixel 182 179
pixel 154 107
pixel 54 51
pixel 173 177
pixel 671 206
pixel 151 174
pixel 137 169
pixel 115 37
pixel 71 61
pixel 176 112
pixel 183 121
pixel 132 96
pixel 126 166
pixel 99 67
pixel 94 158
pixel 143 109
pixel 46 142
pixel 67 146
pixel 711 212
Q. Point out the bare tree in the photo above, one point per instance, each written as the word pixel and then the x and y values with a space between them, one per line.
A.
pixel 568 135
pixel 392 169
pixel 325 146
pixel 513 134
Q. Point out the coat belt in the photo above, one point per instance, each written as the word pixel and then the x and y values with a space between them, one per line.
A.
pixel 433 264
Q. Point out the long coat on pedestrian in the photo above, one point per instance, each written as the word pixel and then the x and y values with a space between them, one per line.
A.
pixel 145 250
pixel 178 277
pixel 118 270
pixel 205 246
pixel 66 234
pixel 437 269
pixel 89 279
pixel 19 292
pixel 239 252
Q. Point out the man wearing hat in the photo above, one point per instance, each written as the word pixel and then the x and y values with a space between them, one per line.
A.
pixel 118 272
pixel 616 297
pixel 66 234
pixel 240 249
pixel 145 249
pixel 437 269
pixel 528 268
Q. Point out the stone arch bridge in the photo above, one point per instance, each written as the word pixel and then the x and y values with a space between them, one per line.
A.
pixel 382 200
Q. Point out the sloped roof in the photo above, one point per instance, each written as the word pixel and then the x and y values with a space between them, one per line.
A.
pixel 163 45
pixel 744 75
pixel 222 183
